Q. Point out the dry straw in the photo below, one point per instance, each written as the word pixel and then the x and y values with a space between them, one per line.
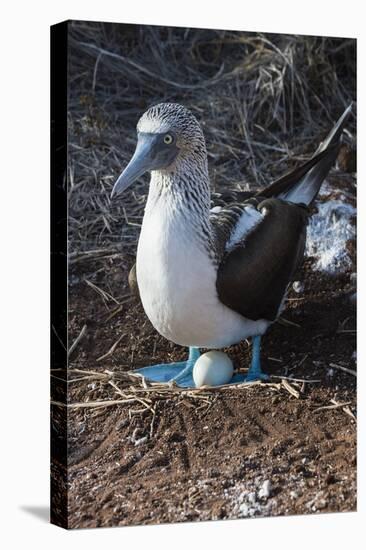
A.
pixel 264 101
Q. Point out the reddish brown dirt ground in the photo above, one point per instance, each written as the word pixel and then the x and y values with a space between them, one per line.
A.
pixel 185 456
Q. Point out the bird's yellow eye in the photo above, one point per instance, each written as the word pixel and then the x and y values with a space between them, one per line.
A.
pixel 168 139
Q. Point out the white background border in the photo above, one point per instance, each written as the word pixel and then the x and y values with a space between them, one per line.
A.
pixel 24 268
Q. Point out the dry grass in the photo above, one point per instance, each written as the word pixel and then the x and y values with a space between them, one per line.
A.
pixel 131 386
pixel 264 102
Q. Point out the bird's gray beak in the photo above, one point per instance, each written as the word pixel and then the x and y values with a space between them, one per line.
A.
pixel 140 163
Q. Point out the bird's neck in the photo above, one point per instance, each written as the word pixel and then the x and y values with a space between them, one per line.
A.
pixel 182 196
pixel 178 209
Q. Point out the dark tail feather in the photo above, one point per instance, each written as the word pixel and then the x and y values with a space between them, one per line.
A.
pixel 302 185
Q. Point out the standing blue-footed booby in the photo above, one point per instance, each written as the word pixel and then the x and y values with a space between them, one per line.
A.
pixel 209 279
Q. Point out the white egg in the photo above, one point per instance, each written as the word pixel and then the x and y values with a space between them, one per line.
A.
pixel 212 369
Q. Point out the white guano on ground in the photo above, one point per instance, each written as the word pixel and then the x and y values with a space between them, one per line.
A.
pixel 328 233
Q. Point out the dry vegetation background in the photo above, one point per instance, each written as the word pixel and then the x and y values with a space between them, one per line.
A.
pixel 141 454
pixel 264 101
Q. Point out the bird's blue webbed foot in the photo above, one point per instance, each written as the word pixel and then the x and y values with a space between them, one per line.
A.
pixel 255 372
pixel 180 372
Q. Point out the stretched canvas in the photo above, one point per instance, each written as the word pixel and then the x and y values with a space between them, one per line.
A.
pixel 203 350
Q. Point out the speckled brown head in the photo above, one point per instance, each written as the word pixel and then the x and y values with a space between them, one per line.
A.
pixel 168 136
pixel 175 121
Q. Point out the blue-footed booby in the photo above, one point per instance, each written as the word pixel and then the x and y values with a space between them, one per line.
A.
pixel 211 278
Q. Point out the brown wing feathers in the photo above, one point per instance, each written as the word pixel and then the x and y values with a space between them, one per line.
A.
pixel 253 277
pixel 303 183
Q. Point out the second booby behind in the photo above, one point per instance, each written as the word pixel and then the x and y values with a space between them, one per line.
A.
pixel 211 279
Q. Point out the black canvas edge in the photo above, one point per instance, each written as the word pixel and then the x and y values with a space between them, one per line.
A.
pixel 59 293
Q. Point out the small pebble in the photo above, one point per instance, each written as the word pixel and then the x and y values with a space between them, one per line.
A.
pixel 244 509
pixel 252 498
pixel 140 441
pixel 298 286
pixel 265 490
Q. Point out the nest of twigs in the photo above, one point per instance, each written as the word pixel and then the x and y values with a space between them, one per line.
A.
pixel 264 102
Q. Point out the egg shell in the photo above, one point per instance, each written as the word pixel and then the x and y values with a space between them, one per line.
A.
pixel 212 369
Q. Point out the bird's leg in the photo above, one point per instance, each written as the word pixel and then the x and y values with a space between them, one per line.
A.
pixel 180 372
pixel 255 371
pixel 194 354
